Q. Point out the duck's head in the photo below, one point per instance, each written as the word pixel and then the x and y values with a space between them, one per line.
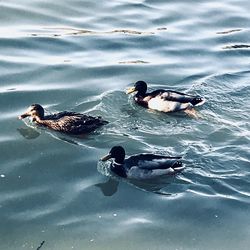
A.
pixel 36 111
pixel 140 87
pixel 117 153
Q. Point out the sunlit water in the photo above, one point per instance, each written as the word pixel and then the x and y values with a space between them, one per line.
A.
pixel 80 56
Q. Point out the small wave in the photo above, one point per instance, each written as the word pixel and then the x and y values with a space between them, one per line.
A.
pixel 228 31
pixel 237 46
pixel 62 31
pixel 70 31
pixel 133 62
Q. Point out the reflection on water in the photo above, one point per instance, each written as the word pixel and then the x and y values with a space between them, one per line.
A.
pixel 109 187
pixel 28 133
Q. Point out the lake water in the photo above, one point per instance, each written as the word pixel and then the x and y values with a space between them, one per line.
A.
pixel 80 56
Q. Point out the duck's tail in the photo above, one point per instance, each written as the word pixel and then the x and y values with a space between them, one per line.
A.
pixel 101 121
pixel 198 101
pixel 178 166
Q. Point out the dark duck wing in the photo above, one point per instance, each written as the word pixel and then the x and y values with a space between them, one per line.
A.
pixel 73 123
pixel 149 166
pixel 175 96
pixel 151 161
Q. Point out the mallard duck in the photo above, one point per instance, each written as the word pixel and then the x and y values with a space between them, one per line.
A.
pixel 66 122
pixel 164 100
pixel 142 166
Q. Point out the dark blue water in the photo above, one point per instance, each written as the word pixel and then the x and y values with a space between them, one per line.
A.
pixel 80 56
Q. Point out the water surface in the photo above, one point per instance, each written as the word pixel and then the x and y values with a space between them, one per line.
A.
pixel 80 56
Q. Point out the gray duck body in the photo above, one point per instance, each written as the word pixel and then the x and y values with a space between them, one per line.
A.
pixel 142 166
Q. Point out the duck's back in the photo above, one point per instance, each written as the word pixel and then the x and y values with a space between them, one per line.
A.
pixel 151 161
pixel 73 123
pixel 62 114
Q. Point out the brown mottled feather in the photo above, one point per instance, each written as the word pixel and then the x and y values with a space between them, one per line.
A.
pixel 71 123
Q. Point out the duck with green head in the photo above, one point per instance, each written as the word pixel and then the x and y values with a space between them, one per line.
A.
pixel 142 166
pixel 164 100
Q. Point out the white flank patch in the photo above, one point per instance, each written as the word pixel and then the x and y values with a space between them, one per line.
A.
pixel 162 105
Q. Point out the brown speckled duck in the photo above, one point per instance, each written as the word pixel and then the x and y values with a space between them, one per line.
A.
pixel 65 122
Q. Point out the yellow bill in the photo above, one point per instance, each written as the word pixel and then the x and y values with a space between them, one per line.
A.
pixel 106 157
pixel 130 90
